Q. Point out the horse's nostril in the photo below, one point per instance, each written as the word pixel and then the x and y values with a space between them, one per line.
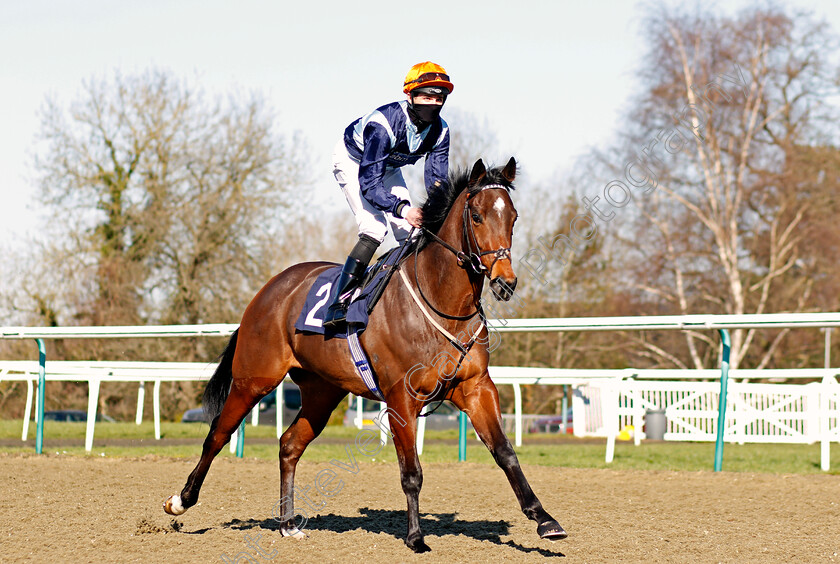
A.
pixel 503 288
pixel 507 285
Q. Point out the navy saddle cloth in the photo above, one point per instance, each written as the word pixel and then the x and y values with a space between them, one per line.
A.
pixel 311 319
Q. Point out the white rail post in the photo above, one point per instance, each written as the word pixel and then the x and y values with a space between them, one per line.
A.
pixel 517 413
pixel 141 399
pixel 609 414
pixel 384 424
pixel 638 411
pixel 828 347
pixel 93 402
pixel 279 403
pixel 156 408
pixel 255 415
pixel 815 411
pixel 421 430
pixel 234 440
pixel 826 391
pixel 28 410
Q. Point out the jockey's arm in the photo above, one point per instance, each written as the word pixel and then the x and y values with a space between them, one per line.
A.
pixel 372 169
pixel 437 163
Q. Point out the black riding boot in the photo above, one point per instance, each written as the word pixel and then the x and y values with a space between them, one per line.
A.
pixel 350 279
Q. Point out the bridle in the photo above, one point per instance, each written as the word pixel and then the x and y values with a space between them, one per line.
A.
pixel 467 261
pixel 472 261
pixel 474 257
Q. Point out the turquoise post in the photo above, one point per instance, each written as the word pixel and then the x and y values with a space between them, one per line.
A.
pixel 724 379
pixel 462 437
pixel 240 440
pixel 39 406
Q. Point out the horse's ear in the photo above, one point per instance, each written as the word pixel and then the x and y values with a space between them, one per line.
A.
pixel 509 172
pixel 478 172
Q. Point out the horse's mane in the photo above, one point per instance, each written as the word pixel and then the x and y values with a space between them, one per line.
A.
pixel 441 199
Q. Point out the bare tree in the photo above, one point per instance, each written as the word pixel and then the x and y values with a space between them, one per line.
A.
pixel 725 206
pixel 173 200
pixel 472 138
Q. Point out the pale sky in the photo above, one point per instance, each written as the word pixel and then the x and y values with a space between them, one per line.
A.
pixel 551 77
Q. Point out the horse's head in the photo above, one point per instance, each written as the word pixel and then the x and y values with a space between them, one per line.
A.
pixel 489 216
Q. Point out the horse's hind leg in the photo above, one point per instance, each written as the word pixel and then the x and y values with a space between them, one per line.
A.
pixel 244 395
pixel 479 398
pixel 318 400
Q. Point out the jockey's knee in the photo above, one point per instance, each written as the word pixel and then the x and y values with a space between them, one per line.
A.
pixel 374 230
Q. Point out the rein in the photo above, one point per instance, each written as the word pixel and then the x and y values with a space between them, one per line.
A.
pixel 428 303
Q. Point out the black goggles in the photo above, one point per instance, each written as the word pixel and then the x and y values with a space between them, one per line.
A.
pixel 428 76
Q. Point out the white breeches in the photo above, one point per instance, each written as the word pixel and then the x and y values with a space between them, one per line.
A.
pixel 371 221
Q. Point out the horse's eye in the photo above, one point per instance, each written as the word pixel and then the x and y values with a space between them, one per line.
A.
pixel 476 218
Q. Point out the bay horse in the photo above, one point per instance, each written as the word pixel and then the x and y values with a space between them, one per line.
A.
pixel 468 226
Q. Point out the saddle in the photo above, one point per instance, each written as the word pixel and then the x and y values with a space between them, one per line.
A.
pixel 364 300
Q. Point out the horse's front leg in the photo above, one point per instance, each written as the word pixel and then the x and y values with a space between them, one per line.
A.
pixel 479 398
pixel 403 421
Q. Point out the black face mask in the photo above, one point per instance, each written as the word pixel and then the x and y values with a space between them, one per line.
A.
pixel 423 115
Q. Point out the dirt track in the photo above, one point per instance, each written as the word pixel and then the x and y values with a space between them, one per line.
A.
pixel 73 509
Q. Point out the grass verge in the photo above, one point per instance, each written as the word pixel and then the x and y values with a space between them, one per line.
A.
pixel 441 446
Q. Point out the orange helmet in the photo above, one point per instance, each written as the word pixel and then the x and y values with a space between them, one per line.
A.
pixel 427 74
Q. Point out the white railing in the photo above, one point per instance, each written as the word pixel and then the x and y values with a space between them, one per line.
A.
pixel 609 416
pixel 756 413
pixel 94 373
pixel 670 322
pixel 604 400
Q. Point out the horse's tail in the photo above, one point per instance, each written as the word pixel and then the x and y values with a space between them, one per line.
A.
pixel 218 388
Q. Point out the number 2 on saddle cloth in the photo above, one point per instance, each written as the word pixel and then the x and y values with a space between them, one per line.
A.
pixel 362 303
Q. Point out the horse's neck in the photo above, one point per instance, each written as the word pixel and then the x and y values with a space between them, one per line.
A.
pixel 457 292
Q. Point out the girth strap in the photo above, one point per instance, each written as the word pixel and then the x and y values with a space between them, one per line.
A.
pixel 362 365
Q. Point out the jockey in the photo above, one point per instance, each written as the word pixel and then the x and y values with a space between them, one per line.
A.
pixel 367 164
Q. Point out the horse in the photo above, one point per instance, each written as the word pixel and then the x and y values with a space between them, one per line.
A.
pixel 468 227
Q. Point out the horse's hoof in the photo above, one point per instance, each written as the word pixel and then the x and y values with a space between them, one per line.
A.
pixel 173 505
pixel 418 546
pixel 551 530
pixel 294 532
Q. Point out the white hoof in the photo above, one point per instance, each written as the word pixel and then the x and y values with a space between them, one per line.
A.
pixel 173 505
pixel 294 533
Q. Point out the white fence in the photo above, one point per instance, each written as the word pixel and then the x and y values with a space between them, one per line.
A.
pixel 804 414
pixel 604 401
pixel 755 412
pixel 94 373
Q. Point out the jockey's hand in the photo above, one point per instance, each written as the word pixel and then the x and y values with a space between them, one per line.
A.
pixel 414 216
